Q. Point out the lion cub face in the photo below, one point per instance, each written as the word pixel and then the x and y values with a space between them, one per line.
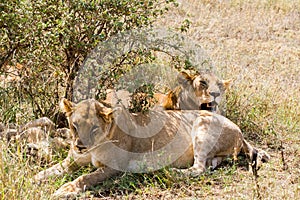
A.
pixel 201 91
pixel 87 121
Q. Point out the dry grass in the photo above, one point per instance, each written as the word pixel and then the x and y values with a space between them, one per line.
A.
pixel 16 172
pixel 257 43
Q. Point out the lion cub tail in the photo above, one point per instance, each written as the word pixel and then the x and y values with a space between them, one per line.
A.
pixel 256 156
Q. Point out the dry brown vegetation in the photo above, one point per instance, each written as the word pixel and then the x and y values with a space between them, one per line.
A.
pixel 257 43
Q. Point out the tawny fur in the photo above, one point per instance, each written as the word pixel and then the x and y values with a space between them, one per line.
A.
pixel 192 140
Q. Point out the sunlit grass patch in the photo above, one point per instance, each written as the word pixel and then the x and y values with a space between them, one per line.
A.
pixel 254 42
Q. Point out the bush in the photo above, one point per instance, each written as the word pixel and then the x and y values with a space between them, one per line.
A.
pixel 49 40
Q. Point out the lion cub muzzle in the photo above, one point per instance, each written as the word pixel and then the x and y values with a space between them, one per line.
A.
pixel 215 94
pixel 79 146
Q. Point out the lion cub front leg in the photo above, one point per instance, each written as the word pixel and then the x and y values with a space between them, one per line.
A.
pixel 68 165
pixel 83 182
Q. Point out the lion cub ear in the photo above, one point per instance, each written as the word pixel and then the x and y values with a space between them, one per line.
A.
pixel 66 106
pixel 104 112
pixel 183 77
pixel 227 83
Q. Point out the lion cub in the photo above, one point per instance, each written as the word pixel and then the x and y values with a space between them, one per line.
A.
pixel 115 141
pixel 201 91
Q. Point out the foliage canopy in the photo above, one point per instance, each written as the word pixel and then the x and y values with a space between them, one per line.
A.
pixel 43 44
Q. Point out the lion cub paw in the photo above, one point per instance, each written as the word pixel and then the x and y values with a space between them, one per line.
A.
pixel 68 191
pixel 192 172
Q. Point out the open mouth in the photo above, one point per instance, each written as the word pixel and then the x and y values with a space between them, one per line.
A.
pixel 211 106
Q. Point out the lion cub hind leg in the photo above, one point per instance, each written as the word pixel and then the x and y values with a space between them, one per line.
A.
pixel 198 168
pixel 202 146
pixel 201 160
pixel 213 163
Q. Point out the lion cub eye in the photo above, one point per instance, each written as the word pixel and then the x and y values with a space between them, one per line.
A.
pixel 204 84
pixel 75 126
pixel 94 128
pixel 93 131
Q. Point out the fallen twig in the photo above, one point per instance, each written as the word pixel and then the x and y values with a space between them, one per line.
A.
pixel 284 165
pixel 255 175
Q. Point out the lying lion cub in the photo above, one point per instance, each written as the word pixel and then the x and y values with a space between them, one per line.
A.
pixel 116 140
pixel 201 91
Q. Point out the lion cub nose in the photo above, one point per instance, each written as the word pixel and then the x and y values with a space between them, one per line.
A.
pixel 215 94
pixel 78 143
